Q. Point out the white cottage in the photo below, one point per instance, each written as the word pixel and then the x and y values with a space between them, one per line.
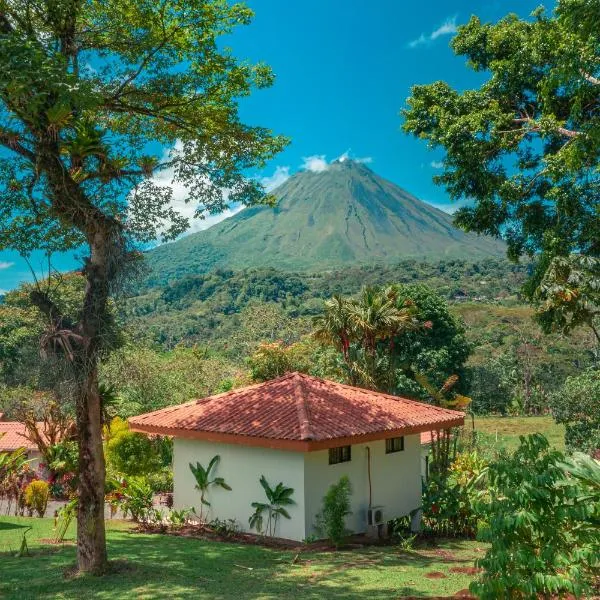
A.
pixel 305 432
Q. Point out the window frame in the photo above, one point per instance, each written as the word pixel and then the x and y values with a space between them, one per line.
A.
pixel 390 445
pixel 340 454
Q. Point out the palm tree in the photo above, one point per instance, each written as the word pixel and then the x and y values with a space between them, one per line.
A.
pixel 204 481
pixel 278 497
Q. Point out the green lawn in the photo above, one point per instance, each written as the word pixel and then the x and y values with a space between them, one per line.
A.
pixel 160 566
pixel 504 432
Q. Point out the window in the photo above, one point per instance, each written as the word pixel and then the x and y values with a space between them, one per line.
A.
pixel 394 445
pixel 339 455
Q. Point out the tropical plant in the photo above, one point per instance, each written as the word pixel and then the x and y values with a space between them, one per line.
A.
pixel 137 498
pixel 178 518
pixel 388 335
pixel 331 520
pixel 204 481
pixel 449 499
pixel 37 494
pixel 542 524
pixel 277 499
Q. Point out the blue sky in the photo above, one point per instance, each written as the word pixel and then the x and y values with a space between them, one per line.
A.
pixel 344 69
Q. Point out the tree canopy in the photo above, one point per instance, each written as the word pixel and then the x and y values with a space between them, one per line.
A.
pixel 523 148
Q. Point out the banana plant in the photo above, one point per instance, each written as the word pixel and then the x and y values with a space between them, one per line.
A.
pixel 204 481
pixel 278 498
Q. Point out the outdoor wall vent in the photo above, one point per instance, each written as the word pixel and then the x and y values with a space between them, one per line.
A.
pixel 375 515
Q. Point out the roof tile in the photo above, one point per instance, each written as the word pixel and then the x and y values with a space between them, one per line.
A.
pixel 297 407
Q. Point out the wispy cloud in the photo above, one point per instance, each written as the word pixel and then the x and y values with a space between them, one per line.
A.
pixel 315 163
pixel 281 175
pixel 5 265
pixel 437 164
pixel 448 27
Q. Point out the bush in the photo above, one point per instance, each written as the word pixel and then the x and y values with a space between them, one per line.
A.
pixel 161 482
pixel 136 499
pixel 132 454
pixel 331 521
pixel 542 524
pixel 36 496
pixel 449 502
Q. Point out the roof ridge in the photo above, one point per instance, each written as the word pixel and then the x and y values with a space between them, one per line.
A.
pixel 303 413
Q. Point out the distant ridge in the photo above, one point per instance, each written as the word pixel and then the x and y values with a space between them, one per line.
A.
pixel 346 215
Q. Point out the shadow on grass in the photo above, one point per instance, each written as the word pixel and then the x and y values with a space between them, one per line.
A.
pixel 4 526
pixel 158 566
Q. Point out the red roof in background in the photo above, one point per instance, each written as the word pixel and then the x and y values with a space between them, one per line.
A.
pixel 298 412
pixel 11 437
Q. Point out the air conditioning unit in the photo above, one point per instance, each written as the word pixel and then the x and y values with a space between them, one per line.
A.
pixel 375 515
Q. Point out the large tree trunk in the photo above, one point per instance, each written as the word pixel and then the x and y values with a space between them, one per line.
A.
pixel 91 542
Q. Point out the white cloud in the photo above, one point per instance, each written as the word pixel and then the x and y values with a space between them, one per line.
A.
pixel 316 163
pixel 437 164
pixel 347 155
pixel 5 265
pixel 280 175
pixel 448 27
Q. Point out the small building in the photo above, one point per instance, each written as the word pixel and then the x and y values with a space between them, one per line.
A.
pixel 13 436
pixel 305 432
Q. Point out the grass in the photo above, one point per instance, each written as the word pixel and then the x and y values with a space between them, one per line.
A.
pixel 504 432
pixel 159 566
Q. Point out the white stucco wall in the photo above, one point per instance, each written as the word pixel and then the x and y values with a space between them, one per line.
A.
pixel 395 478
pixel 241 467
pixel 395 481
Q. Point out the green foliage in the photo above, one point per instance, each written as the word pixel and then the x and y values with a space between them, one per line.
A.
pixel 136 499
pixel 132 453
pixel 161 481
pixel 331 520
pixel 277 499
pixel 178 518
pixel 577 405
pixel 37 494
pixel 391 337
pixel 524 146
pixel 449 501
pixel 146 379
pixel 66 514
pixel 205 480
pixel 569 295
pixel 543 526
pixel 63 457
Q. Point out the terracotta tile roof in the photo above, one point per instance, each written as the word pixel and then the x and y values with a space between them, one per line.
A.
pixel 11 437
pixel 299 412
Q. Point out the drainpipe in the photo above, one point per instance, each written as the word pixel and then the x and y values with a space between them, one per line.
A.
pixel 369 473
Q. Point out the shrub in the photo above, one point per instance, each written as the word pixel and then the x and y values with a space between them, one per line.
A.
pixel 449 502
pixel 331 521
pixel 132 454
pixel 541 520
pixel 161 482
pixel 36 496
pixel 137 499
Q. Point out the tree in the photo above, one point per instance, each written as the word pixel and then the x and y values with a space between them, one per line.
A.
pixel 91 94
pixel 577 406
pixel 523 148
pixel 388 337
